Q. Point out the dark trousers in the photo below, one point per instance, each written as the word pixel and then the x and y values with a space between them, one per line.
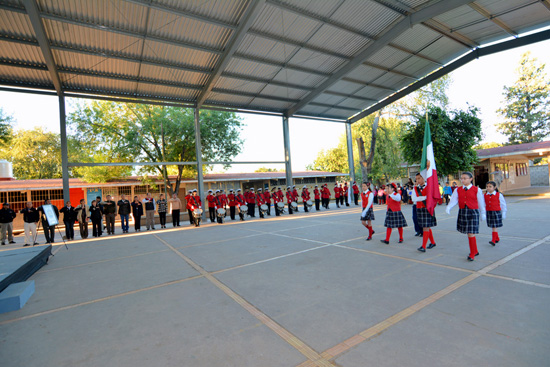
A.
pixel 356 199
pixel 268 208
pixel 96 227
pixel 252 209
pixel 338 202
pixel 137 222
pixel 212 213
pixel 190 213
pixel 176 217
pixel 305 207
pixel 49 231
pixel 232 212
pixel 162 218
pixel 110 222
pixel 69 230
pixel 346 199
pixel 83 229
pixel 277 213
pixel 241 214
pixel 317 204
pixel 417 227
pixel 290 209
pixel 447 197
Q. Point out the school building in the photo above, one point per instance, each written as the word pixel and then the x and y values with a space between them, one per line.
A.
pixel 19 192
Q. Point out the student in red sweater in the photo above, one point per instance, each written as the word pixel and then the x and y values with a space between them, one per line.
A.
pixel 472 204
pixel 367 215
pixel 394 216
pixel 496 210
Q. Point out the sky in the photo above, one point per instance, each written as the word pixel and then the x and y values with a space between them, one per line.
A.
pixel 479 83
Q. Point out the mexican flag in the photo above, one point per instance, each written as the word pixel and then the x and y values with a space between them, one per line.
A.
pixel 429 171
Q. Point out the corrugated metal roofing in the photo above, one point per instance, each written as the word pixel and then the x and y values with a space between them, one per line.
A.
pixel 274 55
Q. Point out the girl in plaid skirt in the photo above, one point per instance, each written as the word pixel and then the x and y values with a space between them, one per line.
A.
pixel 496 209
pixel 471 203
pixel 424 218
pixel 367 216
pixel 394 217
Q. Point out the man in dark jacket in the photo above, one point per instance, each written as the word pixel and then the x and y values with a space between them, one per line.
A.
pixel 109 209
pixel 69 217
pixel 6 221
pixel 124 209
pixel 30 218
pixel 49 231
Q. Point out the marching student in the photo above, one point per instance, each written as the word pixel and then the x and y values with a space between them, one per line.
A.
pixel 471 204
pixel 295 196
pixel 305 198
pixel 267 200
pixel 325 195
pixel 317 196
pixel 188 206
pixel 355 189
pixel 496 210
pixel 240 200
pixel 281 194
pixel 232 203
pixel 218 200
pixel 276 199
pixel 251 203
pixel 195 201
pixel 260 201
pixel 346 191
pixel 289 198
pixel 367 216
pixel 211 206
pixel 394 216
pixel 341 194
pixel 337 195
pixel 425 219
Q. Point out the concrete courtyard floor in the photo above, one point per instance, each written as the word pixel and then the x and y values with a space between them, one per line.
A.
pixel 300 290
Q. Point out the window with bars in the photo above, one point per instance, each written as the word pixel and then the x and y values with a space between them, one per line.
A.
pixel 113 191
pixel 125 190
pixel 16 199
pixel 140 190
pixel 3 197
pixel 521 169
pixel 309 180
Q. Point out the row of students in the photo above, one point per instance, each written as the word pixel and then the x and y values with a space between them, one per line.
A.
pixel 473 205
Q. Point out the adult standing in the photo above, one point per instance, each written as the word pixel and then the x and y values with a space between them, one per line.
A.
pixel 150 207
pixel 6 221
pixel 31 217
pixel 96 215
pixel 109 209
pixel 498 177
pixel 175 208
pixel 49 231
pixel 82 217
pixel 162 207
pixel 137 212
pixel 124 209
pixel 69 217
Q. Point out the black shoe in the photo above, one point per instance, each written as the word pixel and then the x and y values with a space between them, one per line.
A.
pixel 386 242
pixel 369 238
pixel 12 241
pixel 470 259
pixel 477 254
pixel 419 234
pixel 34 244
pixel 3 244
pixel 492 243
pixel 432 245
pixel 25 245
pixel 400 241
pixel 421 249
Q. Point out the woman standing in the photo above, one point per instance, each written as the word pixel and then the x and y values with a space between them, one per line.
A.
pixel 137 212
pixel 175 207
pixel 83 218
pixel 162 207
pixel 96 215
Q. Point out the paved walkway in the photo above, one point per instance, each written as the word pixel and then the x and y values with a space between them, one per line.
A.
pixel 301 290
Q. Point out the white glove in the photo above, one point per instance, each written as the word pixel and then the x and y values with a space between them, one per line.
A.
pixel 484 217
pixel 364 212
pixel 448 210
pixel 504 215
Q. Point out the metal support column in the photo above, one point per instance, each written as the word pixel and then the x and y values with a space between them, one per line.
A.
pixel 64 150
pixel 351 164
pixel 198 152
pixel 286 141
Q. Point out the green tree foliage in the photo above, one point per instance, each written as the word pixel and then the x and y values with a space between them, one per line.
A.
pixel 526 108
pixel 488 145
pixel 387 158
pixel 6 130
pixel 265 169
pixel 123 132
pixel 453 136
pixel 35 154
pixel 415 104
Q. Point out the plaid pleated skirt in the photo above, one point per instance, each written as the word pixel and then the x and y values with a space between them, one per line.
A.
pixel 494 219
pixel 425 219
pixel 395 220
pixel 369 215
pixel 468 220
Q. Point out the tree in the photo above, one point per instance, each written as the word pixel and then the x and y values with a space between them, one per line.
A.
pixel 138 132
pixel 6 130
pixel 526 104
pixel 265 169
pixel 35 154
pixel 453 136
pixel 488 145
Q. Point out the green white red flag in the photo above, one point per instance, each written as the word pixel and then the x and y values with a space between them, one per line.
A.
pixel 428 170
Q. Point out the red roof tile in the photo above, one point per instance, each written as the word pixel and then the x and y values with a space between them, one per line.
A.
pixel 528 148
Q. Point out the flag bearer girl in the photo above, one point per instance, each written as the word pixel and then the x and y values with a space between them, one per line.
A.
pixel 367 216
pixel 496 210
pixel 471 203
pixel 425 220
pixel 394 216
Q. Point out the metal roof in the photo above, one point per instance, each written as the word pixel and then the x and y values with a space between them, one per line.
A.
pixel 317 58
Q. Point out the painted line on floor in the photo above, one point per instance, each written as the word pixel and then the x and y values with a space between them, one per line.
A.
pixel 286 335
pixel 379 328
